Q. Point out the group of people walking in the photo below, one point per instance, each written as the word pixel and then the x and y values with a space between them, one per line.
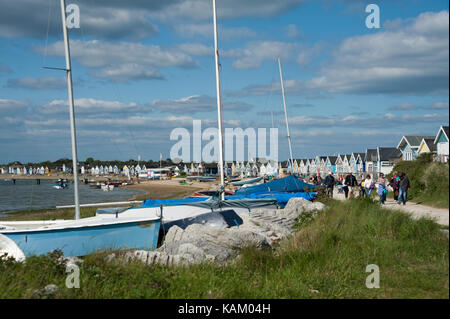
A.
pixel 399 183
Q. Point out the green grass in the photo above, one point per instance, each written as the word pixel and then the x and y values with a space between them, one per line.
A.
pixel 429 180
pixel 49 214
pixel 328 254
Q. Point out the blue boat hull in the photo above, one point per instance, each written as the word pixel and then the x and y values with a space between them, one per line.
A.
pixel 86 240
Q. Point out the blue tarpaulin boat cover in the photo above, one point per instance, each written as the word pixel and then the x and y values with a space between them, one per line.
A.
pixel 289 184
pixel 172 202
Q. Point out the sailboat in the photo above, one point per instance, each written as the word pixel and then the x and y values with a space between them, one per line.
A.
pixel 78 237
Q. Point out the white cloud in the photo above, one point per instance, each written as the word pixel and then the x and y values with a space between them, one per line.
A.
pixel 106 19
pixel 413 60
pixel 124 60
pixel 44 83
pixel 197 103
pixel 89 105
pixel 128 72
pixel 12 106
pixel 196 49
pixel 206 30
pixel 256 52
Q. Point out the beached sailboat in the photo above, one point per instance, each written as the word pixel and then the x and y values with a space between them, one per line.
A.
pixel 77 237
pixel 248 181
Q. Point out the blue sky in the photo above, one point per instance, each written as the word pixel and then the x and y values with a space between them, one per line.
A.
pixel 142 68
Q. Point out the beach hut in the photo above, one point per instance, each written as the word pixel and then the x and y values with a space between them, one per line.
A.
pixel 125 170
pixel 233 169
pixel 441 142
pixel 116 170
pixel 427 146
pixel 262 170
pixel 101 170
pixel 331 164
pixel 409 146
pixel 340 164
pixel 387 158
pixel 360 164
pixel 371 159
pixel 254 170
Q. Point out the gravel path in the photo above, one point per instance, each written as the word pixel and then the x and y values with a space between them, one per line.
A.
pixel 441 215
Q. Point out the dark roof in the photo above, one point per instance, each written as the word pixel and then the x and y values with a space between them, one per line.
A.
pixel 371 155
pixel 430 143
pixel 333 159
pixel 445 129
pixel 414 140
pixel 389 153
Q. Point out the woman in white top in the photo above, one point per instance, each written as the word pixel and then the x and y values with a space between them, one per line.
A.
pixel 368 185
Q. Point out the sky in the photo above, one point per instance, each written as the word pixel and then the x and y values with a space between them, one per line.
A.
pixel 142 68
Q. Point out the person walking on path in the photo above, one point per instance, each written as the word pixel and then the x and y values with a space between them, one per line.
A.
pixel 394 182
pixel 350 183
pixel 382 188
pixel 329 183
pixel 403 189
pixel 368 185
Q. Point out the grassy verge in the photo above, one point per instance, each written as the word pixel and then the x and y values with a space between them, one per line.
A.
pixel 326 258
pixel 429 181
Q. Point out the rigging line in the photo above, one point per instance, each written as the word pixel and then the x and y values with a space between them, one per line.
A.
pixel 48 28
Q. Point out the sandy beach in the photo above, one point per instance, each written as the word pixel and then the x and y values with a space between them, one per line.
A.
pixel 165 189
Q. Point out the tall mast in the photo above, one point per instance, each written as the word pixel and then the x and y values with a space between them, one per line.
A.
pixel 285 114
pixel 219 101
pixel 72 113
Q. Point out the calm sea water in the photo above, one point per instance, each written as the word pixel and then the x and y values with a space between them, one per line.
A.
pixel 26 194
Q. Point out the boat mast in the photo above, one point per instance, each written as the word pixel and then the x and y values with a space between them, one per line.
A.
pixel 285 114
pixel 219 101
pixel 72 113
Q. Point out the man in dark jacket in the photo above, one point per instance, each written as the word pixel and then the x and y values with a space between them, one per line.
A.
pixel 403 189
pixel 329 182
pixel 350 183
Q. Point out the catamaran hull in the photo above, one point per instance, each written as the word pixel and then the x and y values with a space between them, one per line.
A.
pixel 80 241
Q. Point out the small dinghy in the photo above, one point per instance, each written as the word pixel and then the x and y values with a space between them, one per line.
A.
pixel 61 184
pixel 107 188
